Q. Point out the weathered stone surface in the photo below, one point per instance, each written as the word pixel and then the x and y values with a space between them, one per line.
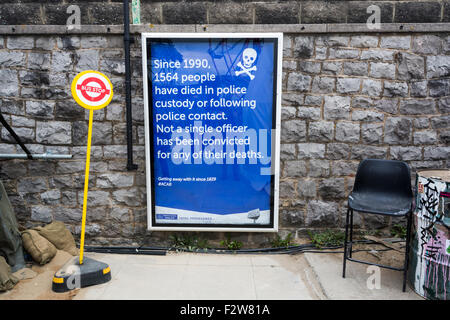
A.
pixel 288 151
pixel 336 107
pixel 387 105
pixel 319 168
pixel 406 153
pixel 363 115
pixel 303 47
pixel 323 12
pixel 9 84
pixel 395 42
pixel 323 85
pixel 415 12
pixel 276 13
pixel 425 137
pixel 418 89
pixel 397 131
pixel 356 68
pixel 41 214
pixel 114 180
pixel 20 42
pixel 320 131
pixel 38 61
pixel 32 185
pixel 333 188
pixel 395 89
pixel 382 70
pixel 410 66
pixel 308 113
pixel 436 153
pixel 292 217
pixel 439 88
pixel 96 198
pixel 298 82
pixel 347 131
pixel 12 59
pixel 293 131
pixel 184 13
pixel 337 151
pixel 309 67
pixel 306 188
pixel 51 197
pixel 371 87
pixel 86 60
pixel 321 213
pixel 294 168
pixel 132 197
pixel 54 132
pixel 62 61
pixel 427 44
pixel 311 150
pixel 416 106
pixel 438 66
pixel 377 55
pixel 360 152
pixel 372 133
pixel 364 41
pixel 339 53
pixel 348 85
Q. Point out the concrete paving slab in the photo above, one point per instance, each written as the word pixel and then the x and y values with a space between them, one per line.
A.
pixel 193 276
pixel 328 269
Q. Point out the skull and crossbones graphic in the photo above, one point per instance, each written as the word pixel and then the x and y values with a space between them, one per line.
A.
pixel 248 58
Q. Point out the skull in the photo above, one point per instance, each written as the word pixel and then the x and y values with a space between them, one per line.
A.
pixel 249 57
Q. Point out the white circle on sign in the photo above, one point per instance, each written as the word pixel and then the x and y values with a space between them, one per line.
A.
pixel 92 90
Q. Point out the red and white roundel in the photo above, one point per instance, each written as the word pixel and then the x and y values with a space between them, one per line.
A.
pixel 92 90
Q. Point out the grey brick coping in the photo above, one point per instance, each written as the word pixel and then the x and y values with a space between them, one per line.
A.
pixel 285 28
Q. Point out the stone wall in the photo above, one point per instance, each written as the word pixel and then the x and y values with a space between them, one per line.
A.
pixel 345 97
pixel 225 11
pixel 349 97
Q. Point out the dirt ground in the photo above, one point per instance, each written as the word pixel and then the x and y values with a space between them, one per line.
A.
pixel 40 287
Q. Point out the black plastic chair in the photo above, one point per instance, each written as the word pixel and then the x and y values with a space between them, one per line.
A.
pixel 381 187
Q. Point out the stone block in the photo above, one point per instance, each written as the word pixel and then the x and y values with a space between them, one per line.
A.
pixel 311 150
pixel 320 131
pixel 277 13
pixel 184 13
pixel 397 131
pixel 298 82
pixel 54 132
pixel 294 168
pixel 347 131
pixel 417 106
pixel 321 213
pixel 319 168
pixel 293 131
pixel 336 107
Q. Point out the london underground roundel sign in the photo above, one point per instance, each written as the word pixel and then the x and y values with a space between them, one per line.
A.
pixel 92 90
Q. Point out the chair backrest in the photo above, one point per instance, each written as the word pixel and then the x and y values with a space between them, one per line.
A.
pixel 383 176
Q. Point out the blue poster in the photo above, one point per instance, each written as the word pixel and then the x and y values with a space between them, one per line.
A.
pixel 212 111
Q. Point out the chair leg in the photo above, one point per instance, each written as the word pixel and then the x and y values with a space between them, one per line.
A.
pixel 408 236
pixel 345 243
pixel 351 233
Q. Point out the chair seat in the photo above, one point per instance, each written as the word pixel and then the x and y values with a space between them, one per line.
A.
pixel 379 203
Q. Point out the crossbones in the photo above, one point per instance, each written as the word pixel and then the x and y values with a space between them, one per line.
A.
pixel 248 58
pixel 245 70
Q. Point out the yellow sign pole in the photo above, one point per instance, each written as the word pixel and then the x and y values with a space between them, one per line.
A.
pixel 93 91
pixel 86 184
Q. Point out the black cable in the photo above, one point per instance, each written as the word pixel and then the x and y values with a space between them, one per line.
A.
pixel 309 247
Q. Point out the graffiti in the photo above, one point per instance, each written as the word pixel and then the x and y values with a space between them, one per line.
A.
pixel 430 263
pixel 428 204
